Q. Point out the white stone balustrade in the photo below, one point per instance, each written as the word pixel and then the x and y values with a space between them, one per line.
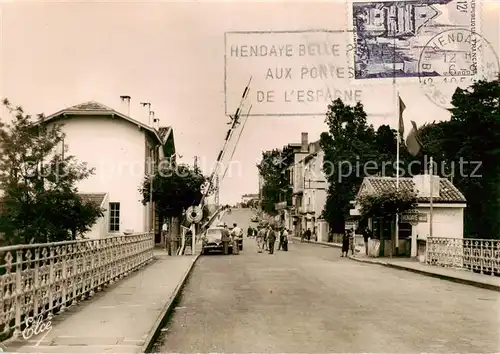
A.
pixel 42 279
pixel 478 255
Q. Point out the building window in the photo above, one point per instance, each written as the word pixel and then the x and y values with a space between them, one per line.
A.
pixel 114 217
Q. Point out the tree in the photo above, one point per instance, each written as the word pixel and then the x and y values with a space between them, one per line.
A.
pixel 347 144
pixel 40 201
pixel 386 204
pixel 175 188
pixel 276 186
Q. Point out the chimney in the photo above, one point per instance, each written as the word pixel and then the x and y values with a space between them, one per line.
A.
pixel 304 143
pixel 423 185
pixel 125 104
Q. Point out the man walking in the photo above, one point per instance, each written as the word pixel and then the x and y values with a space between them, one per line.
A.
pixel 308 235
pixel 285 240
pixel 352 242
pixel 166 237
pixel 280 238
pixel 266 238
pixel 272 240
pixel 366 237
pixel 260 239
pixel 225 240
pixel 236 234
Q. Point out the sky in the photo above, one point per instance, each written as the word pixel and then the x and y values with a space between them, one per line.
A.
pixel 57 54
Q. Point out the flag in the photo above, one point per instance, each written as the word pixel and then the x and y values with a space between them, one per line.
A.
pixel 413 143
pixel 402 107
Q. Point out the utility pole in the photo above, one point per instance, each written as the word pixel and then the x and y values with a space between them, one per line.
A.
pixel 126 99
pixel 217 190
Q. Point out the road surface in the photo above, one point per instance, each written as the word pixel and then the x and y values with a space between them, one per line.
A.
pixel 311 300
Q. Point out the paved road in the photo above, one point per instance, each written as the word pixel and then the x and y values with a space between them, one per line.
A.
pixel 311 300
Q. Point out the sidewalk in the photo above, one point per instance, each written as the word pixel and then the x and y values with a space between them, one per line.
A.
pixel 124 318
pixel 329 244
pixel 451 274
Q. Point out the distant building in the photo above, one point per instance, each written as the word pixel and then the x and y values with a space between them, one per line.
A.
pixel 245 198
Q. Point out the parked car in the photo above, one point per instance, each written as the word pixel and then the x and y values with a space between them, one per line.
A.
pixel 254 218
pixel 212 241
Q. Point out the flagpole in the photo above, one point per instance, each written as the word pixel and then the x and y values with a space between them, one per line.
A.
pixel 397 175
pixel 431 197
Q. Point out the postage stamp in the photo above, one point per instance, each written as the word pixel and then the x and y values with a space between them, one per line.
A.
pixel 455 58
pixel 390 35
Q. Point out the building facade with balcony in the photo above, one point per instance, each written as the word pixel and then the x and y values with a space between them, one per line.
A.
pixel 310 188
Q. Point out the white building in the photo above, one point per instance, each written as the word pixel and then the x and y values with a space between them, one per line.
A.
pixel 315 193
pixel 245 198
pixel 447 212
pixel 120 149
pixel 310 188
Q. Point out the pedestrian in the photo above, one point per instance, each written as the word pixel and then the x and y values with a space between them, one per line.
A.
pixel 249 232
pixel 226 238
pixel 236 233
pixel 308 235
pixel 285 240
pixel 260 239
pixel 345 243
pixel 352 241
pixel 266 235
pixel 366 237
pixel 302 236
pixel 280 239
pixel 271 240
pixel 167 238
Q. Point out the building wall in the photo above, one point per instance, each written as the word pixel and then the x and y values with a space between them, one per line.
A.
pixel 100 228
pixel 448 221
pixel 117 150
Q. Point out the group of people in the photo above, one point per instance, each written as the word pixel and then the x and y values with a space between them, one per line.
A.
pixel 232 237
pixel 252 232
pixel 266 239
pixel 307 235
pixel 348 241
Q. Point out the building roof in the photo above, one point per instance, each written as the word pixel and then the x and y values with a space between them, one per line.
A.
pixel 97 198
pixel 164 132
pixel 96 108
pixel 448 193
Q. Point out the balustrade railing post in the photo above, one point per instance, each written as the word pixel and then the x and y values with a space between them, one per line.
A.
pixel 18 293
pixel 64 279
pixel 75 273
pixel 481 257
pixel 93 255
pixel 36 283
pixel 51 279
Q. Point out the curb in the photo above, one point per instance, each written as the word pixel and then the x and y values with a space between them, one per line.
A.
pixel 334 245
pixel 155 331
pixel 477 284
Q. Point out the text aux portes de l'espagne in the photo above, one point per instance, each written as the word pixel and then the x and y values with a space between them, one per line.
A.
pixel 321 71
